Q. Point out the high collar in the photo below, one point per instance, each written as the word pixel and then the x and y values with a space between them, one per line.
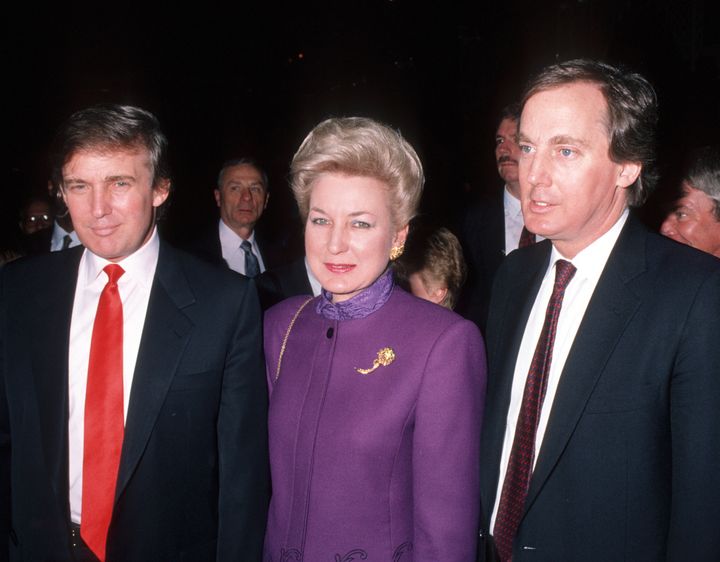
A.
pixel 361 305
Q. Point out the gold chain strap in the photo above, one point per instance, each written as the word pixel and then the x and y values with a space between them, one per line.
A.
pixel 287 335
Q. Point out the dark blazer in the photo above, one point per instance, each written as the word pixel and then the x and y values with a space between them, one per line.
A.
pixel 482 235
pixel 192 481
pixel 280 283
pixel 206 245
pixel 629 468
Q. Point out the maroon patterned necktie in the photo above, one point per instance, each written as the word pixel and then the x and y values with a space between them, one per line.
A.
pixel 522 454
pixel 527 238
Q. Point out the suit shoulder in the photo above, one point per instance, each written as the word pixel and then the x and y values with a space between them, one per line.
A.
pixel 531 257
pixel 191 261
pixel 204 275
pixel 669 254
pixel 30 271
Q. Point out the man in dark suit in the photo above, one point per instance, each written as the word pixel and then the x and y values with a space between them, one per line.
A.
pixel 242 197
pixel 493 227
pixel 132 395
pixel 601 439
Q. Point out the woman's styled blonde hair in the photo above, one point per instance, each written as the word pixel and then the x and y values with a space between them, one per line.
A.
pixel 357 146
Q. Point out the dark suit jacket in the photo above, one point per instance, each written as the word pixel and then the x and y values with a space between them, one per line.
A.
pixel 280 283
pixel 629 468
pixel 482 235
pixel 206 245
pixel 192 481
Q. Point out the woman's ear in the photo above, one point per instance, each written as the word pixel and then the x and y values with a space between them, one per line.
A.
pixel 401 236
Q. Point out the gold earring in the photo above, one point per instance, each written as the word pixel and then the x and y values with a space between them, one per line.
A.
pixel 396 252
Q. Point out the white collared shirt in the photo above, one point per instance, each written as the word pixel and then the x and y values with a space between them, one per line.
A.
pixel 231 251
pixel 134 287
pixel 58 238
pixel 314 283
pixel 513 222
pixel 590 263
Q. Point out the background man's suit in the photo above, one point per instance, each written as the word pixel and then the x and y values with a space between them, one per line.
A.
pixel 207 246
pixel 483 240
pixel 192 481
pixel 282 282
pixel 629 467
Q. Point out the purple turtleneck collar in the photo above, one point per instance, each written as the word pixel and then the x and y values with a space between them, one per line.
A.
pixel 361 305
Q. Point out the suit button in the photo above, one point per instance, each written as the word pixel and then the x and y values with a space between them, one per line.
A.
pixel 330 333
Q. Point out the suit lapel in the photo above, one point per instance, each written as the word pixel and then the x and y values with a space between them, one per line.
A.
pixel 507 328
pixel 165 334
pixel 50 333
pixel 611 308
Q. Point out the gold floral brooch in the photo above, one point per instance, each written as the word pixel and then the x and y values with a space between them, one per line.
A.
pixel 384 357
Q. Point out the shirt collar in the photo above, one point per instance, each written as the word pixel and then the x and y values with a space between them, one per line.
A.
pixel 590 261
pixel 511 204
pixel 230 239
pixel 139 266
pixel 59 234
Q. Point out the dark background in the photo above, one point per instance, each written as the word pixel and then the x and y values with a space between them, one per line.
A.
pixel 254 78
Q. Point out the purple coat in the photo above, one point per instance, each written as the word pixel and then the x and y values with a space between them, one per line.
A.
pixel 380 466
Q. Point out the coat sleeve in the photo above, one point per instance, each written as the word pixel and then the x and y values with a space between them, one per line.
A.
pixel 695 427
pixel 446 446
pixel 242 440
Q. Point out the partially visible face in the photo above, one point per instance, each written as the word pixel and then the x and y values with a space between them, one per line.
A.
pixel 571 192
pixel 242 198
pixel 429 291
pixel 111 199
pixel 349 233
pixel 693 222
pixel 507 152
pixel 37 216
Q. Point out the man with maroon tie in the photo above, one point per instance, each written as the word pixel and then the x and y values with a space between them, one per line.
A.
pixel 132 396
pixel 601 438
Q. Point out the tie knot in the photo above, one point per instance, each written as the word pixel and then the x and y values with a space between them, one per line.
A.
pixel 564 272
pixel 246 246
pixel 114 272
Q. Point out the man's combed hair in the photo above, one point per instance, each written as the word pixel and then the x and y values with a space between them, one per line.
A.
pixel 511 111
pixel 357 146
pixel 631 114
pixel 242 161
pixel 110 127
pixel 703 174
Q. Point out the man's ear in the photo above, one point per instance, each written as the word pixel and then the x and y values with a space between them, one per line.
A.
pixel 267 198
pixel 161 191
pixel 629 172
pixel 216 193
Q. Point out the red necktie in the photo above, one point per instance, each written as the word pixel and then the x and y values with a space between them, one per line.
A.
pixel 522 454
pixel 104 422
pixel 527 238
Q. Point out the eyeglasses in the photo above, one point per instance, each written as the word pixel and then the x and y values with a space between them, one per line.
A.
pixel 42 218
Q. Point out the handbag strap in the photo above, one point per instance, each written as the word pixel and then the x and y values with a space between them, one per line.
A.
pixel 287 335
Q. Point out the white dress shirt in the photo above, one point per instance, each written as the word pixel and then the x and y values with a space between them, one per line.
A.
pixel 134 287
pixel 314 283
pixel 589 263
pixel 58 238
pixel 513 222
pixel 232 253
